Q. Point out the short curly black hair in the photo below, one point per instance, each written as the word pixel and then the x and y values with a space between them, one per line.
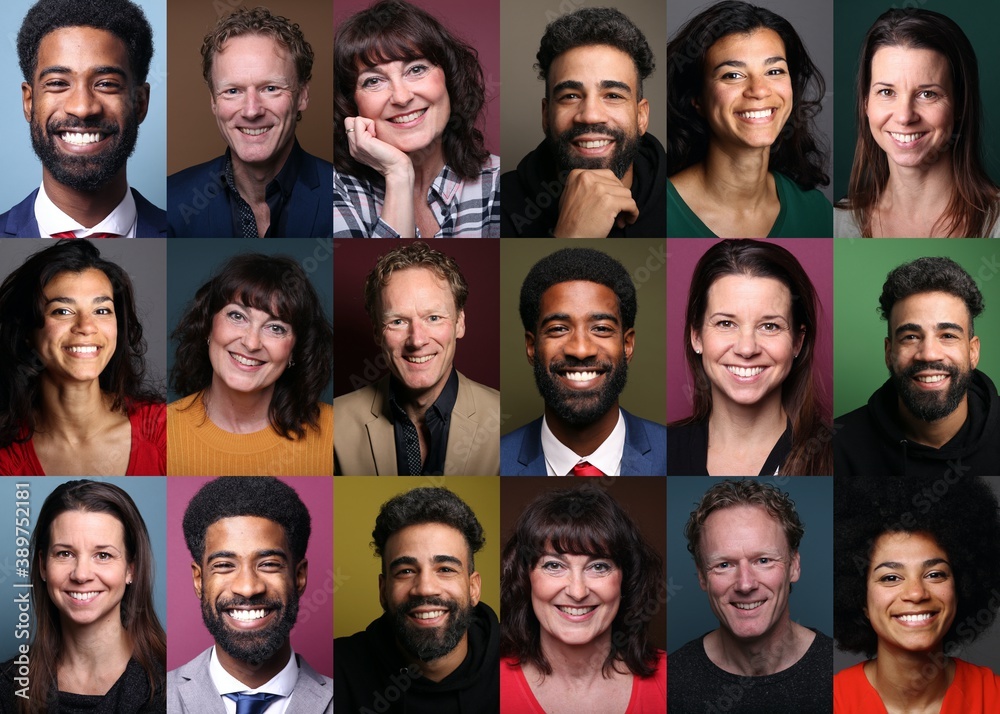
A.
pixel 427 505
pixel 235 496
pixel 595 26
pixel 570 264
pixel 959 512
pixel 122 18
pixel 931 274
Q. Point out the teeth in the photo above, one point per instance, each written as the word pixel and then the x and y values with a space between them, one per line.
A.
pixel 73 137
pixel 407 117
pixel 429 615
pixel 906 138
pixel 745 371
pixel 577 610
pixel 748 605
pixel 89 349
pixel 762 114
pixel 247 615
pixel 915 618
pixel 932 379
pixel 246 361
pixel 255 132
pixel 580 376
pixel 83 596
pixel 418 360
pixel 594 144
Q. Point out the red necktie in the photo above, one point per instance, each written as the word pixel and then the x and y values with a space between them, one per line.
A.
pixel 71 234
pixel 585 468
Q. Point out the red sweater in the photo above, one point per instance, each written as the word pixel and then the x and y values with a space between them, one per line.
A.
pixel 974 690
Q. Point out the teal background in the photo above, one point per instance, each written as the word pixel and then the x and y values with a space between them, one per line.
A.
pixel 851 20
pixel 859 270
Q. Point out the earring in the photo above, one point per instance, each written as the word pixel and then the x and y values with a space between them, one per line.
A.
pixel 208 340
pixel 697 351
pixel 291 363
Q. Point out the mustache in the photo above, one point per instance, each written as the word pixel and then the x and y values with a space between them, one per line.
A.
pixel 105 127
pixel 918 367
pixel 581 129
pixel 413 603
pixel 589 363
pixel 256 602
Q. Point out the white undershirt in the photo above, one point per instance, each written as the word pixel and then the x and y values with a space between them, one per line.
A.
pixel 51 219
pixel 282 683
pixel 560 459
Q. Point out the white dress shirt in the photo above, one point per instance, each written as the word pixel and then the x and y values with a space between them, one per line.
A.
pixel 51 218
pixel 283 683
pixel 560 459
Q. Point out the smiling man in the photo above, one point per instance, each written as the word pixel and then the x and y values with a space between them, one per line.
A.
pixel 424 418
pixel 437 647
pixel 936 415
pixel 84 95
pixel 248 538
pixel 597 174
pixel 744 537
pixel 578 309
pixel 257 66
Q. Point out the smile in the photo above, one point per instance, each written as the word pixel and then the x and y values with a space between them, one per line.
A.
pixel 429 615
pixel 932 379
pixel 593 144
pixel 760 114
pixel 256 132
pixel 906 138
pixel 745 371
pixel 576 611
pixel 83 597
pixel 247 615
pixel 246 361
pixel 419 360
pixel 580 376
pixel 922 617
pixel 748 605
pixel 406 118
pixel 80 139
pixel 84 349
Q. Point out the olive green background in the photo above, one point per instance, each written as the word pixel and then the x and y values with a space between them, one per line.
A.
pixel 356 503
pixel 859 270
pixel 851 20
pixel 645 260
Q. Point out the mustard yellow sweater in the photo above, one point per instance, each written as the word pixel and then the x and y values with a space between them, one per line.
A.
pixel 197 447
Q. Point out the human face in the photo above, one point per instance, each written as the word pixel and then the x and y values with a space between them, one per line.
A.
pixel 911 592
pixel 747 340
pixel 86 568
pixel 930 353
pixel 408 100
pixel 83 107
pixel 575 597
pixel 420 327
pixel 249 587
pixel 747 94
pixel 580 350
pixel 249 349
pixel 256 97
pixel 428 588
pixel 593 116
pixel 79 331
pixel 747 570
pixel 910 105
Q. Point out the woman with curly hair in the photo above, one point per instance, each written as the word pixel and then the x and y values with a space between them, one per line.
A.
pixel 742 152
pixel 916 571
pixel 410 161
pixel 576 578
pixel 254 354
pixel 74 399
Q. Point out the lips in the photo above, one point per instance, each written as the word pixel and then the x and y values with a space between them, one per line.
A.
pixel 747 606
pixel 81 138
pixel 246 361
pixel 576 611
pixel 917 618
pixel 254 132
pixel 83 596
pixel 906 138
pixel 83 350
pixel 247 615
pixel 757 113
pixel 419 360
pixel 407 118
pixel 744 371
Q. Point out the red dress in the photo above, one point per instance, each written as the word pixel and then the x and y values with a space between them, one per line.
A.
pixel 147 457
pixel 974 690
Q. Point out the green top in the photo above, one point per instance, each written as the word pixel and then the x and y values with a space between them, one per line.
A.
pixel 803 214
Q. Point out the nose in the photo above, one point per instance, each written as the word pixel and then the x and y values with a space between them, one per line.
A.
pixel 905 112
pixel 84 323
pixel 916 590
pixel 82 570
pixel 251 338
pixel 82 102
pixel 579 345
pixel 576 586
pixel 746 343
pixel 929 351
pixel 417 335
pixel 401 93
pixel 591 110
pixel 757 87
pixel 246 583
pixel 746 581
pixel 424 585
pixel 253 107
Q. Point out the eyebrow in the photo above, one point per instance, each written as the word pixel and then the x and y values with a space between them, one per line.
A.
pixel 919 86
pixel 565 317
pixel 941 326
pixel 71 301
pixel 743 65
pixel 892 564
pixel 730 316
pixel 410 560
pixel 101 69
pixel 264 553
pixel 604 84
pixel 68 546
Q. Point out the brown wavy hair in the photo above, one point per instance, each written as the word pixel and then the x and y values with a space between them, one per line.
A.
pixel 394 31
pixel 973 209
pixel 801 392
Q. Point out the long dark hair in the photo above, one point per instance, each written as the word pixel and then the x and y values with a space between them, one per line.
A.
pixel 799 152
pixel 973 208
pixel 801 395
pixel 277 285
pixel 582 521
pixel 21 299
pixel 392 31
pixel 149 643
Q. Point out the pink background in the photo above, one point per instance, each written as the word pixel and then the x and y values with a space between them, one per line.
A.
pixel 312 636
pixel 478 25
pixel 816 257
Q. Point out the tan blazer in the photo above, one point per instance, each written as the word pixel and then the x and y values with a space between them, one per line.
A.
pixel 363 442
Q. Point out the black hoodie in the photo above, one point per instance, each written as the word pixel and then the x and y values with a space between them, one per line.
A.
pixel 370 676
pixel 529 203
pixel 870 442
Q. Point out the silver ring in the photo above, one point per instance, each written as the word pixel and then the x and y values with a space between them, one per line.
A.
pixel 349 130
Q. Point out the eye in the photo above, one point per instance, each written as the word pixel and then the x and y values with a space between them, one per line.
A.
pixel 890 578
pixel 551 566
pixel 370 82
pixel 62 554
pixel 434 318
pixel 418 70
pixel 602 568
pixel 764 561
pixel 277 330
pixel 884 92
pixel 61 312
pixel 56 84
pixel 927 94
pixel 771 327
pixel 568 96
pixel 556 330
pixel 222 566
pixel 725 324
pixel 776 71
pixel 731 76
pixel 271 88
pixel 938 575
pixel 103 556
pixel 236 316
pixel 104 311
pixel 231 92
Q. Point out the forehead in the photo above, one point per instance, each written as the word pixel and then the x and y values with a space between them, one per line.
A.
pixel 921 66
pixel 89 280
pixel 245 535
pixel 905 548
pixel 416 286
pixel 751 47
pixel 87 527
pixel 742 527
pixel 591 64
pixel 742 293
pixel 578 297
pixel 252 57
pixel 80 48
pixel 929 309
pixel 424 541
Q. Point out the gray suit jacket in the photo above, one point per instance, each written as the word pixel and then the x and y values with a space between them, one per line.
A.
pixel 364 445
pixel 190 689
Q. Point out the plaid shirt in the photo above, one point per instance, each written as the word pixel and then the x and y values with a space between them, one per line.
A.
pixel 463 209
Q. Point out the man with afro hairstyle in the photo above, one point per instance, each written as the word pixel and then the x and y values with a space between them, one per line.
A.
pixel 248 537
pixel 578 309
pixel 84 95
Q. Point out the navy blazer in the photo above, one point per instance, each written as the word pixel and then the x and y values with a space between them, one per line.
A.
pixel 645 451
pixel 198 207
pixel 19 221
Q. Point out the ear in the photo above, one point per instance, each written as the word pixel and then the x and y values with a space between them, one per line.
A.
pixel 888 354
pixel 41 566
pixel 696 340
pixel 382 599
pixel 643 115
pixel 629 343
pixel 460 325
pixel 545 115
pixel 130 574
pixel 794 568
pixel 141 102
pixel 475 588
pixel 702 581
pixel 529 347
pixel 196 578
pixel 301 576
pixel 26 100
pixel 974 352
pixel 697 106
pixel 800 339
pixel 304 97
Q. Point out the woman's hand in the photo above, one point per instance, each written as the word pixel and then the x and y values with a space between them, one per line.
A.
pixel 367 148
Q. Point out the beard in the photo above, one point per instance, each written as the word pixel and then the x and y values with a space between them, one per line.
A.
pixel 252 647
pixel 626 147
pixel 84 173
pixel 576 407
pixel 430 643
pixel 931 406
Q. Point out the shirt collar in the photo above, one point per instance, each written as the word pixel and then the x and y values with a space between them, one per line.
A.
pixel 560 459
pixel 286 178
pixel 443 404
pixel 51 219
pixel 282 684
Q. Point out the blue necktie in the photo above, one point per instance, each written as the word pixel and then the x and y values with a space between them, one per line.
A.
pixel 252 703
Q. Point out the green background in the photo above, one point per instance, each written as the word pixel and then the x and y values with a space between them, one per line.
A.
pixel 852 18
pixel 859 270
pixel 645 393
